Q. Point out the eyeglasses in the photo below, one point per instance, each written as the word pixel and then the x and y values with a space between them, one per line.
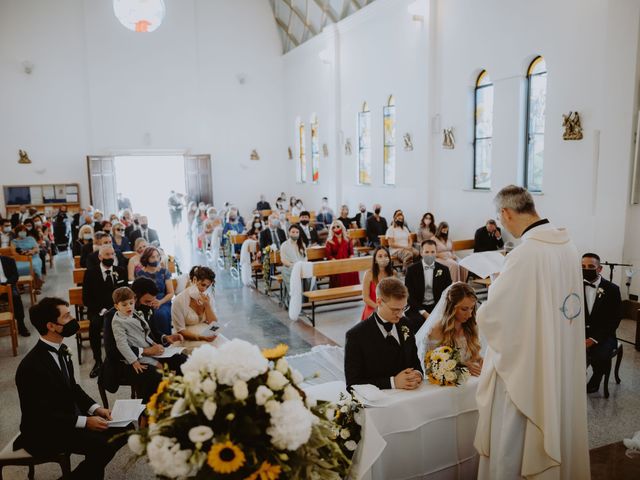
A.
pixel 395 310
pixel 119 229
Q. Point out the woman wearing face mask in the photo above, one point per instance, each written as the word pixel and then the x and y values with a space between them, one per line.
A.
pixel 152 269
pixel 427 228
pixel 446 255
pixel 340 246
pixel 291 251
pixel 399 238
pixel 85 236
pixel 232 225
pixel 381 268
pixel 97 220
pixel 120 242
pixel 139 246
pixel 41 234
pixel 192 310
pixel 23 244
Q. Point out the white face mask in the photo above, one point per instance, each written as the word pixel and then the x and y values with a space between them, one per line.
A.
pixel 194 292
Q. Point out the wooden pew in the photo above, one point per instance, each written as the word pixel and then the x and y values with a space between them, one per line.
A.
pixel 359 237
pixel 340 294
pixel 76 261
pixel 75 299
pixel 128 254
pixel 78 275
pixel 464 244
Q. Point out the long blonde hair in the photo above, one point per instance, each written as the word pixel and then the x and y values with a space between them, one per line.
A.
pixel 458 292
pixel 345 234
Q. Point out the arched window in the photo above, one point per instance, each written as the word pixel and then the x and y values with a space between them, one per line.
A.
pixel 536 104
pixel 139 15
pixel 389 159
pixel 315 150
pixel 364 145
pixel 483 132
pixel 302 158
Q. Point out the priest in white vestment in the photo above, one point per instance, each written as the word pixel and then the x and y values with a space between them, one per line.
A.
pixel 532 391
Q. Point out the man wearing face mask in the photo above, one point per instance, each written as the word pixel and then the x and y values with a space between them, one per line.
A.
pixel 425 280
pixel 9 276
pixel 376 226
pixel 273 234
pixel 308 234
pixel 97 288
pixel 57 415
pixel 149 234
pixel 19 217
pixel 603 312
pixel 362 216
pixel 5 235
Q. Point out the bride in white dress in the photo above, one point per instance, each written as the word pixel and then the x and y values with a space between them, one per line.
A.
pixel 453 323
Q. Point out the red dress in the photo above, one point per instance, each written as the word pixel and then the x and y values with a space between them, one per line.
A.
pixel 368 311
pixel 336 250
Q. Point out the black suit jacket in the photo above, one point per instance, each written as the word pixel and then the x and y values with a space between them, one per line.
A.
pixel 486 242
pixel 10 269
pixel 312 232
pixel 49 407
pixel 606 313
pixel 358 217
pixel 414 281
pixel 369 359
pixel 129 230
pixel 263 206
pixel 152 235
pixel 93 261
pixel 96 295
pixel 376 228
pixel 266 240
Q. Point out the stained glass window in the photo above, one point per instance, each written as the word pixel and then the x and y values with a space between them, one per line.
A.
pixel 483 132
pixel 139 15
pixel 389 158
pixel 315 151
pixel 536 105
pixel 364 146
pixel 302 157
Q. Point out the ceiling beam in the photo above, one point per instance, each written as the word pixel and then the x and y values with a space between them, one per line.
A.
pixel 298 14
pixel 285 29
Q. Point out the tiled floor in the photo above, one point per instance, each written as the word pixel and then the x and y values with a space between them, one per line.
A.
pixel 259 319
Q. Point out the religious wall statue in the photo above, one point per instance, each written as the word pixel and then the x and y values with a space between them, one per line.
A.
pixel 572 127
pixel 24 157
pixel 347 147
pixel 449 140
pixel 408 142
pixel 290 153
pixel 254 155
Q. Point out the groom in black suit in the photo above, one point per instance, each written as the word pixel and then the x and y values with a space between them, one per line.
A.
pixel 381 350
pixel 425 280
pixel 57 415
pixel 603 312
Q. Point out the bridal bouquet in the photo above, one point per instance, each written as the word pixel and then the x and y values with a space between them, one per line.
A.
pixel 238 413
pixel 443 367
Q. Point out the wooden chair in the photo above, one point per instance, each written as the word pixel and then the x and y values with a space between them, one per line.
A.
pixel 103 392
pixel 7 319
pixel 617 354
pixel 128 254
pixel 9 457
pixel 75 299
pixel 265 213
pixel 27 280
pixel 6 251
pixel 171 264
pixel 316 253
pixel 78 275
pixel 76 262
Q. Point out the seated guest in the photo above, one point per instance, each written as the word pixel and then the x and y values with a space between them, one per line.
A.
pixel 325 217
pixel 133 226
pixel 149 234
pixel 488 238
pixel 132 336
pixel 340 246
pixel 126 218
pixel 192 309
pixel 602 317
pixel 308 233
pixel 97 220
pixel 446 255
pixel 361 217
pixel 134 262
pixel 427 228
pixel 85 237
pixel 94 246
pixel 400 244
pixel 35 230
pixel 151 268
pixel 57 415
pixel 382 351
pixel 6 235
pixel 97 287
pixel 107 225
pixel 297 208
pixel 381 268
pixel 263 204
pixel 256 227
pixel 119 241
pixel 92 260
pixel 23 244
pixel 20 216
pixel 291 251
pixel 425 280
pixel 344 217
pixel 376 226
pixel 204 239
pixel 232 226
pixel 9 276
pixel 272 234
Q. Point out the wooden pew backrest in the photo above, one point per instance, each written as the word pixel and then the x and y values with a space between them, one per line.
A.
pixel 334 267
pixel 464 244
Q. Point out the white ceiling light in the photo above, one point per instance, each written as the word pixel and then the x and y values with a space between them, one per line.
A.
pixel 139 15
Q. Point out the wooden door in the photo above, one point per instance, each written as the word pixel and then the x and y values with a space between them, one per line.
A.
pixel 102 184
pixel 197 174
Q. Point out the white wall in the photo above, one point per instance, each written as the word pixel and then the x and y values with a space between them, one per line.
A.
pixel 98 88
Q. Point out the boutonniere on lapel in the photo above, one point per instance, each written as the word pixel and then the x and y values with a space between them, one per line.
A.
pixel 405 331
pixel 438 272
pixel 115 275
pixel 600 292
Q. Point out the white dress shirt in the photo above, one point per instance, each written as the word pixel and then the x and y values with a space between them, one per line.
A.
pixel 393 333
pixel 3 277
pixel 590 296
pixel 81 422
pixel 428 283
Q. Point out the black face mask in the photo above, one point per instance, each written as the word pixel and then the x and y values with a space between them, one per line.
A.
pixel 400 223
pixel 304 222
pixel 69 329
pixel 377 211
pixel 136 222
pixel 589 274
pixel 108 262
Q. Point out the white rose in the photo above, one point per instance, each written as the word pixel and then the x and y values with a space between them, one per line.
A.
pixel 240 390
pixel 290 393
pixel 135 444
pixel 450 376
pixel 350 445
pixel 276 381
pixel 200 434
pixel 178 408
pixel 297 377
pixel 450 364
pixel 263 394
pixel 209 409
pixel 282 366
pixel 344 433
pixel 208 386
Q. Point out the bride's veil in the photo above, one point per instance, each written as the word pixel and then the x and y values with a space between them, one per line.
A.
pixel 422 336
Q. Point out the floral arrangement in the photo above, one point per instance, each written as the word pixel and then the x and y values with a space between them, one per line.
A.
pixel 266 269
pixel 238 413
pixel 443 367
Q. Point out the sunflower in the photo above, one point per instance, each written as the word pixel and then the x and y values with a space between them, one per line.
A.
pixel 152 402
pixel 276 352
pixel 162 386
pixel 225 457
pixel 447 349
pixel 266 472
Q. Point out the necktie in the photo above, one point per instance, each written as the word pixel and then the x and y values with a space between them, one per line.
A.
pixel 145 234
pixel 388 326
pixel 62 353
pixel 587 284
pixel 108 279
pixel 275 238
pixel 428 267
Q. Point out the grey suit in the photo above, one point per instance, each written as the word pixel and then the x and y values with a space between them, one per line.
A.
pixel 132 332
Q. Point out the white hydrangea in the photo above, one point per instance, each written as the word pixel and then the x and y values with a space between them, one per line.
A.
pixel 240 390
pixel 239 360
pixel 135 444
pixel 200 434
pixel 209 409
pixel 271 406
pixel 166 458
pixel 291 425
pixel 282 366
pixel 291 393
pixel 276 381
pixel 202 359
pixel 208 386
pixel 263 394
